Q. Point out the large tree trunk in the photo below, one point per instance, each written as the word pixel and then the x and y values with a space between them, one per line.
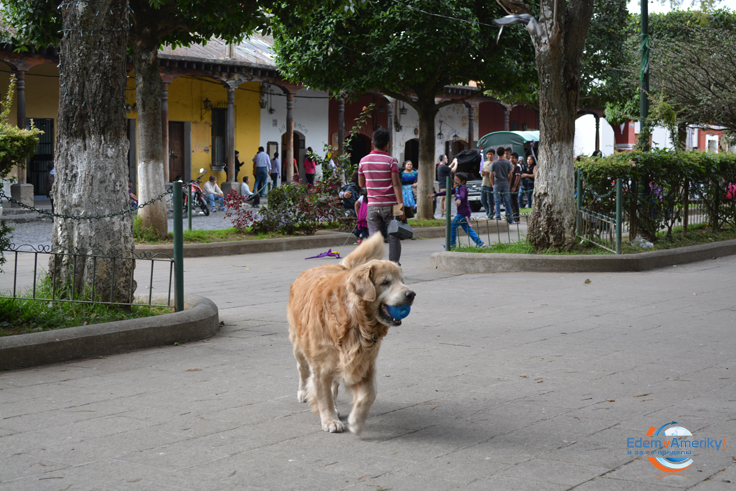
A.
pixel 148 89
pixel 426 176
pixel 91 150
pixel 559 51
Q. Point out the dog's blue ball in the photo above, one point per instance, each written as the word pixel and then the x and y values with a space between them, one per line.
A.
pixel 398 312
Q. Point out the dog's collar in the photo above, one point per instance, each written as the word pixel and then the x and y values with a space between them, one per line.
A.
pixel 373 339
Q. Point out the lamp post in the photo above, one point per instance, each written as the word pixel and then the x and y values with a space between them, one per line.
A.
pixel 644 75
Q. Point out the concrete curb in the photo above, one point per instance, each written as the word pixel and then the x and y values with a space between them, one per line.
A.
pixel 325 239
pixel 200 320
pixel 469 262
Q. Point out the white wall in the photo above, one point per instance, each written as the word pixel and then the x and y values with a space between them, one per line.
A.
pixel 585 136
pixel 311 119
pixel 661 138
pixel 454 121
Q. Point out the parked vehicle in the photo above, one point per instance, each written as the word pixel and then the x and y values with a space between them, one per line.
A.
pixel 198 199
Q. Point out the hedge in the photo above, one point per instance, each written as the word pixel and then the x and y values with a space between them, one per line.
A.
pixel 659 185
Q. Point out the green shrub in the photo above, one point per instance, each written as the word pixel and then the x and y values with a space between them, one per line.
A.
pixel 298 208
pixel 16 145
pixel 657 183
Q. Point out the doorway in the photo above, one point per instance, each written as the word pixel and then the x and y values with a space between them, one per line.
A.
pixel 453 147
pixel 299 153
pixel 411 152
pixel 176 150
pixel 360 146
pixel 43 157
pixel 219 136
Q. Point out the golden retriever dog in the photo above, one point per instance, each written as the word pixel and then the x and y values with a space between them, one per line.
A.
pixel 338 317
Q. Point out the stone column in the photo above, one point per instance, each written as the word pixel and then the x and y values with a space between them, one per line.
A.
pixel 230 143
pixel 471 119
pixel 21 191
pixel 290 136
pixel 390 127
pixel 340 125
pixel 165 130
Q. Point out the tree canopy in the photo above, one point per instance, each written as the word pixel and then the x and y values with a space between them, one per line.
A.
pixel 409 51
pixel 693 77
pixel 404 49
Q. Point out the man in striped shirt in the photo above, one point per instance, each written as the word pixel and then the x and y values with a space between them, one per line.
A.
pixel 378 172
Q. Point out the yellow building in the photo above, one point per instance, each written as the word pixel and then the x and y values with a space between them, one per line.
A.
pixel 197 84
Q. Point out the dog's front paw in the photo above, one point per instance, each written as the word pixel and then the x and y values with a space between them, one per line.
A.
pixel 333 426
pixel 355 427
pixel 301 395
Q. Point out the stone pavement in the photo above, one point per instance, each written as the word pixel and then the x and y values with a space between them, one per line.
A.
pixel 496 381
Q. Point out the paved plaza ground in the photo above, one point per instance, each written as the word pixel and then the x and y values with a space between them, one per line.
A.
pixel 494 382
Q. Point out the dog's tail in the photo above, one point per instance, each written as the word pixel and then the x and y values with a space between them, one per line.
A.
pixel 371 248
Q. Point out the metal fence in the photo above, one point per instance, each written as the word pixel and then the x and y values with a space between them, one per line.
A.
pixel 174 265
pixel 47 286
pixel 490 229
pixel 598 228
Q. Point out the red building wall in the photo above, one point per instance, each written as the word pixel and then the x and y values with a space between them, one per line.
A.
pixel 524 115
pixel 701 137
pixel 352 111
pixel 490 118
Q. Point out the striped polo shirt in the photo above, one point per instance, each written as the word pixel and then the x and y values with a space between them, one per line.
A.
pixel 377 168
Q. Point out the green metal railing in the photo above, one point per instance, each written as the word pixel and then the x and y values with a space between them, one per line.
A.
pixel 176 264
pixel 597 228
pixel 492 229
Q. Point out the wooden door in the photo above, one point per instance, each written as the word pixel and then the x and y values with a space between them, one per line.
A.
pixel 176 150
pixel 42 161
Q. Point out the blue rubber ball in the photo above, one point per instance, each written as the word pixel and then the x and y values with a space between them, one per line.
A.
pixel 398 312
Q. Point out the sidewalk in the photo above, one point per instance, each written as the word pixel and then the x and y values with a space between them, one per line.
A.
pixel 495 381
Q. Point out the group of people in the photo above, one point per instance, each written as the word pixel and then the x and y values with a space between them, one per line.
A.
pixel 506 179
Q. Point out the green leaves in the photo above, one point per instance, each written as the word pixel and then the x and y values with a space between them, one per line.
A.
pixel 401 48
pixel 15 143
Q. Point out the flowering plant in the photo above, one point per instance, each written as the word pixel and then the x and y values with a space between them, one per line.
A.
pixel 298 208
pixel 237 212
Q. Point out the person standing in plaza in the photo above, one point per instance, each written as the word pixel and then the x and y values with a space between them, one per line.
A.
pixel 261 169
pixel 500 170
pixel 514 183
pixel 310 167
pixel 408 184
pixel 528 171
pixel 378 173
pixel 443 172
pixel 238 165
pixel 486 188
pixel 275 169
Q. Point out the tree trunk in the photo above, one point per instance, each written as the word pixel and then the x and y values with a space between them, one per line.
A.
pixel 91 151
pixel 148 89
pixel 426 176
pixel 558 56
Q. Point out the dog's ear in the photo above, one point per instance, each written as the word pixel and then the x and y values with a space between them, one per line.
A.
pixel 361 284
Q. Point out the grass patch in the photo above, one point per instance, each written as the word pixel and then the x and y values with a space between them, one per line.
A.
pixel 426 223
pixel 18 316
pixel 207 236
pixel 697 234
pixel 524 247
pixel 23 315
